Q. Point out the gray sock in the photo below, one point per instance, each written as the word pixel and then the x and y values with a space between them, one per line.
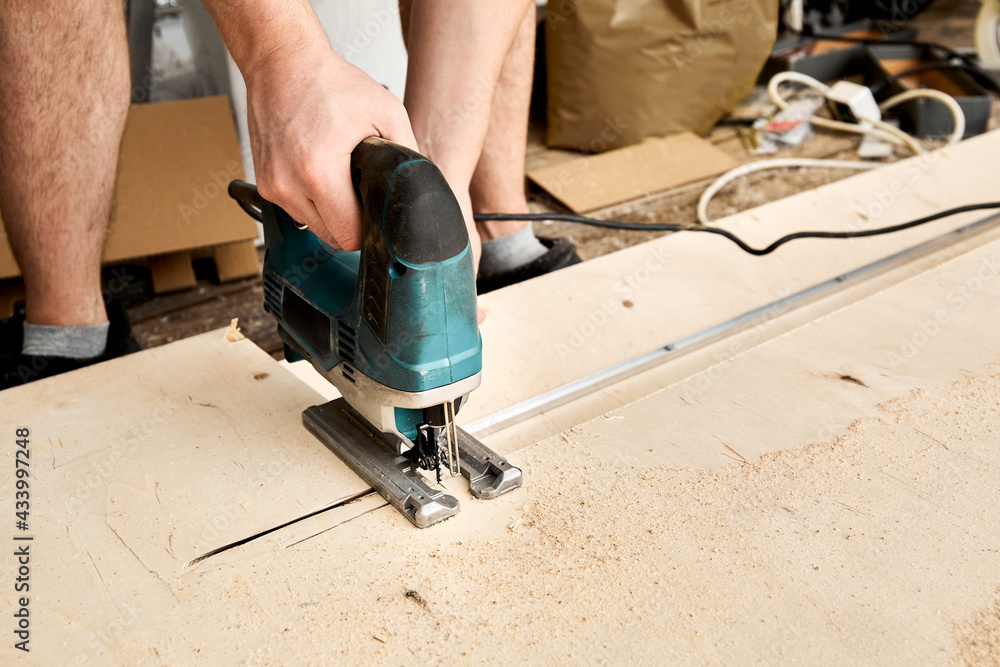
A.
pixel 511 251
pixel 42 340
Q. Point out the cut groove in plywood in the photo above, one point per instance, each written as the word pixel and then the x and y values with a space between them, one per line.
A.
pixel 268 531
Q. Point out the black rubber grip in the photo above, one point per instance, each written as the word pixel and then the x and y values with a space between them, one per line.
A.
pixel 409 212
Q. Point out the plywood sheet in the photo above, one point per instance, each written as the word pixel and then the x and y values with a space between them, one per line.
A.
pixel 725 519
pixel 613 550
pixel 931 330
pixel 598 181
pixel 754 333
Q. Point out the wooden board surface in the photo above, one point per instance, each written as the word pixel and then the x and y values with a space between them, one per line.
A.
pixel 147 464
pixel 202 441
pixel 746 562
pixel 579 320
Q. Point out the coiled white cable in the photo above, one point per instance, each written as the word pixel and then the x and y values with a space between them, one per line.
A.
pixel 956 111
pixel 877 127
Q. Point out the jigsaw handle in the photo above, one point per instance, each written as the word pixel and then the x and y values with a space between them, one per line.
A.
pixel 406 198
pixel 410 220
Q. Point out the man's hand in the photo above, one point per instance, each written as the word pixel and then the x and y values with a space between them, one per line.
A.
pixel 306 114
pixel 307 109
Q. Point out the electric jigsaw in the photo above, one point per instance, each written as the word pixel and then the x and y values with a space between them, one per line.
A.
pixel 393 327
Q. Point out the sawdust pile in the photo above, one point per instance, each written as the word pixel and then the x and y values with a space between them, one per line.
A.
pixel 980 638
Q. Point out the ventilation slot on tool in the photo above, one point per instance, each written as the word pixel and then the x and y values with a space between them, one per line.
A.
pixel 348 373
pixel 345 342
pixel 272 294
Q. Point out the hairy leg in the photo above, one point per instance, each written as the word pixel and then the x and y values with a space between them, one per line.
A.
pixel 65 78
pixel 498 183
pixel 458 51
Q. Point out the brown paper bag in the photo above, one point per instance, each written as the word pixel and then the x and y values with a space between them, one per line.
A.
pixel 620 71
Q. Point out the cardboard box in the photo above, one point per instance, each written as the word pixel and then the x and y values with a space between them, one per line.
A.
pixel 595 182
pixel 176 160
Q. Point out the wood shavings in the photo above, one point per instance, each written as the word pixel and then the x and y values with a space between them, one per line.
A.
pixel 234 334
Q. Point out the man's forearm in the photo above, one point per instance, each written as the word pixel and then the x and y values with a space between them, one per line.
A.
pixel 307 109
pixel 264 31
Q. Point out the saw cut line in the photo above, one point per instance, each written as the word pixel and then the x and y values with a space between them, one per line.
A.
pixel 232 545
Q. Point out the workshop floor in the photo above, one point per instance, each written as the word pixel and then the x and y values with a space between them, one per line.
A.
pixel 209 306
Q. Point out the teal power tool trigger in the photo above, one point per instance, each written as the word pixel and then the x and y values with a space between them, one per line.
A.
pixel 394 327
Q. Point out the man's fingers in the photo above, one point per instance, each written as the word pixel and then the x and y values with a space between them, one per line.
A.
pixel 304 212
pixel 322 230
pixel 300 208
pixel 403 135
pixel 397 130
pixel 337 204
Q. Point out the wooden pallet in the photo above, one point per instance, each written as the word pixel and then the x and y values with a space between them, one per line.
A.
pixel 174 270
pixel 11 291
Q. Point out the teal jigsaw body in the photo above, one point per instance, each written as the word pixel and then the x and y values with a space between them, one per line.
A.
pixel 401 311
pixel 394 327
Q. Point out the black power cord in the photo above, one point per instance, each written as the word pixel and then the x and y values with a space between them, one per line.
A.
pixel 642 227
pixel 250 201
pixel 958 61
